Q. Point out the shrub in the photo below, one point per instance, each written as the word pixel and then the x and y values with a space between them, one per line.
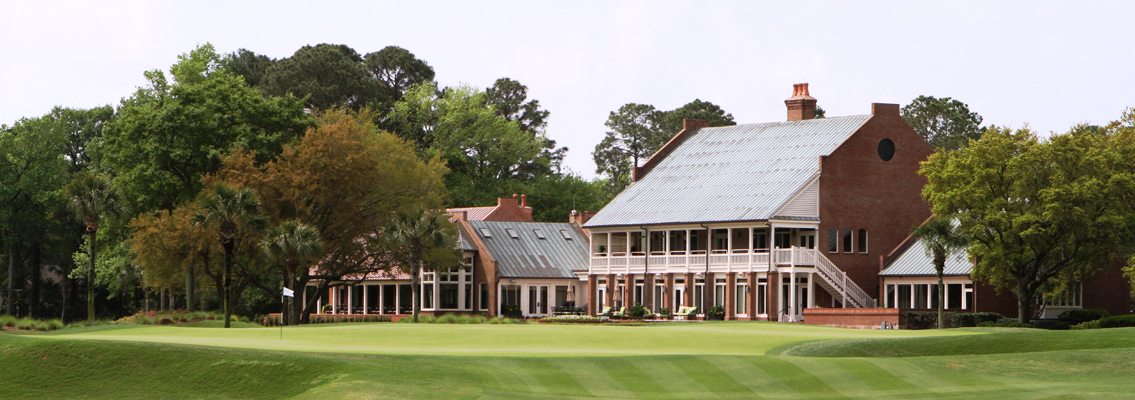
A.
pixel 963 320
pixel 665 312
pixel 1087 325
pixel 637 311
pixel 446 319
pixel 26 323
pixel 7 321
pixel 53 324
pixel 1005 323
pixel 1081 316
pixel 579 319
pixel 920 320
pixel 1118 321
pixel 1051 324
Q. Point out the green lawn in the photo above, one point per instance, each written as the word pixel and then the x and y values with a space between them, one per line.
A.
pixel 705 360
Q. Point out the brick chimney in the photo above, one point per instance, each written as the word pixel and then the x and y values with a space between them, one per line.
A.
pixel 801 105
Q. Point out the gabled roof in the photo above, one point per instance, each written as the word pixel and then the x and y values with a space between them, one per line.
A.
pixel 473 213
pixel 729 173
pixel 528 256
pixel 913 261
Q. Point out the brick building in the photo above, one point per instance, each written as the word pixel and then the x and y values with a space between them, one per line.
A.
pixel 764 219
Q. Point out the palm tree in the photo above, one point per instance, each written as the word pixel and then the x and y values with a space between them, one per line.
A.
pixel 942 240
pixel 233 212
pixel 292 244
pixel 90 196
pixel 421 239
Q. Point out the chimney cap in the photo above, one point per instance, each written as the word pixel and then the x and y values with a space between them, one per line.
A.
pixel 800 92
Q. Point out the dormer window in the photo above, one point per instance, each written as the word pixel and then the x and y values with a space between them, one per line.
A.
pixel 565 234
pixel 512 233
pixel 539 233
pixel 485 233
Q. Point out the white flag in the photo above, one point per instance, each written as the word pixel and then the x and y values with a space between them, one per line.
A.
pixel 289 293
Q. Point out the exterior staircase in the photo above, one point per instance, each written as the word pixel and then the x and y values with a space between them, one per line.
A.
pixel 835 281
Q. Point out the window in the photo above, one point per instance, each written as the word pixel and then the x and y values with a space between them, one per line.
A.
pixel 539 233
pixel 719 293
pixel 742 298
pixel 565 234
pixel 886 149
pixel 485 233
pixel 699 297
pixel 954 296
pixel 1072 296
pixel 427 296
pixel 920 293
pixel 847 240
pixel 449 295
pixel 762 298
pixel 512 233
pixel 862 240
pixel 484 300
pixel 833 240
pixel 760 239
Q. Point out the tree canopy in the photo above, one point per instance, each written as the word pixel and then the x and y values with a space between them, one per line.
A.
pixel 1039 214
pixel 637 131
pixel 167 135
pixel 945 123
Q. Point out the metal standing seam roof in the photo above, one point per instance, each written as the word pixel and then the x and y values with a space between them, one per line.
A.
pixel 913 261
pixel 473 213
pixel 531 257
pixel 465 244
pixel 729 173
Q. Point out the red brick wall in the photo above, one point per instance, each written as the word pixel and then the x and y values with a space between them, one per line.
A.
pixel 1108 290
pixel 860 190
pixel 858 318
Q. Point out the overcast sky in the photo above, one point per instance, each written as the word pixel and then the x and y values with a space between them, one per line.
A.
pixel 1048 64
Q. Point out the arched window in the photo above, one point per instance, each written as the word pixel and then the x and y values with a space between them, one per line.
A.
pixel 847 240
pixel 833 240
pixel 862 240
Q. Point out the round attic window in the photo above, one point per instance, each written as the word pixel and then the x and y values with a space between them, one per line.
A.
pixel 886 149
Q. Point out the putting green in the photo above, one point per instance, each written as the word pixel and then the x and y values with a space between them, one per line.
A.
pixel 528 340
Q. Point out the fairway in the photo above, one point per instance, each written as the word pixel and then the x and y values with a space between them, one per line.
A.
pixel 696 360
pixel 526 340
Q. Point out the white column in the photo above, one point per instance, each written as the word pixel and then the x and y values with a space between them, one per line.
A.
pixel 381 307
pixel 350 298
pixel 500 292
pixel 397 298
pixel 365 298
pixel 811 291
pixel 792 294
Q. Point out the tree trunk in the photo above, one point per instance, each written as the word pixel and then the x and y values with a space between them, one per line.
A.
pixel 11 297
pixel 36 277
pixel 162 300
pixel 941 299
pixel 189 287
pixel 91 276
pixel 226 284
pixel 416 283
pixel 1024 302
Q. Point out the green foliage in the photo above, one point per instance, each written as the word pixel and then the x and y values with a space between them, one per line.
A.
pixel 1037 213
pixel 324 76
pixel 637 131
pixel 919 320
pixel 486 152
pixel 637 311
pixel 167 136
pixel 420 240
pixel 964 320
pixel 945 123
pixel 1050 324
pixel 1005 323
pixel 396 70
pixel 1118 321
pixel 573 319
pixel 1087 325
pixel 1076 316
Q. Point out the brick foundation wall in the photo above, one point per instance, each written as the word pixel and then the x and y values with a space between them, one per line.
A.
pixel 856 318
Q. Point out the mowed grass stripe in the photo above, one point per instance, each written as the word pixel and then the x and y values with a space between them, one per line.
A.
pixel 589 370
pixel 552 378
pixel 632 378
pixel 875 377
pixel 793 377
pixel 749 375
pixel 709 376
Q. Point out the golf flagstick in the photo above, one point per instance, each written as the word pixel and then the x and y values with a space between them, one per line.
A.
pixel 284 309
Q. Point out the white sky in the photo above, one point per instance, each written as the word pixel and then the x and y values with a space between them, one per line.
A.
pixel 1050 64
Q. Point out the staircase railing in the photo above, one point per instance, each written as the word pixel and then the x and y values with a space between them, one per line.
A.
pixel 852 293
